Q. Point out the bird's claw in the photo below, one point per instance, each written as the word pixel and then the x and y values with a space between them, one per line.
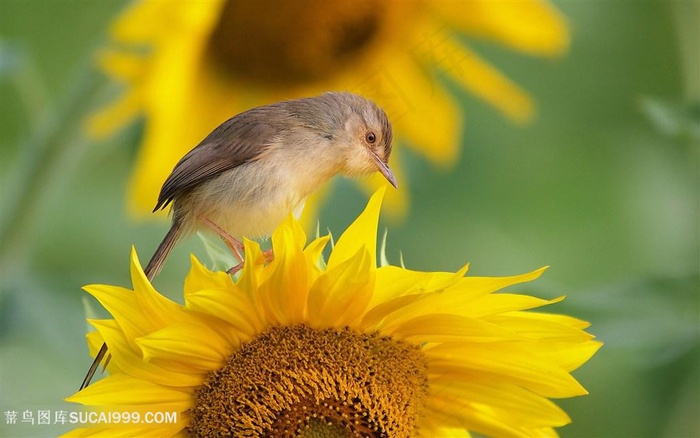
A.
pixel 269 256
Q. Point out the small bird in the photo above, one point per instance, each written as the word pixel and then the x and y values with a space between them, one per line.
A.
pixel 248 174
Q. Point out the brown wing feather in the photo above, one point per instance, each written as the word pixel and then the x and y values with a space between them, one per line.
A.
pixel 237 141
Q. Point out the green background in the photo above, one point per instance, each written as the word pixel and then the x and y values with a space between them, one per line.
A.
pixel 603 186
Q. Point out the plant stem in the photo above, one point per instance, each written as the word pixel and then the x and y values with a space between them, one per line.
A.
pixel 54 147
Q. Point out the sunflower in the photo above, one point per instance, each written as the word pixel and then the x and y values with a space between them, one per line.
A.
pixel 188 66
pixel 300 347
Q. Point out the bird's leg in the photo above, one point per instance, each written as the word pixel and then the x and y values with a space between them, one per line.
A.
pixel 269 255
pixel 235 269
pixel 233 244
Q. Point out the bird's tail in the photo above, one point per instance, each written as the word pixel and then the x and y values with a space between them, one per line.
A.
pixel 156 263
pixel 95 365
pixel 152 269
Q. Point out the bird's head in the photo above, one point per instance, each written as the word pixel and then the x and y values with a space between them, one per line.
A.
pixel 363 136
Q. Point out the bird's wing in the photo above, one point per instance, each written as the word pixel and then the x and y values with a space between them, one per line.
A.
pixel 237 141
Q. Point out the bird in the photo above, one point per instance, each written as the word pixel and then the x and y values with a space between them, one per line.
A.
pixel 253 170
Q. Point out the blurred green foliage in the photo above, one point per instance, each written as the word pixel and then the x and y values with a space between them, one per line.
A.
pixel 603 186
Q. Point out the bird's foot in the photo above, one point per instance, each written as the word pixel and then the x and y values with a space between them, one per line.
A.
pixel 233 244
pixel 269 256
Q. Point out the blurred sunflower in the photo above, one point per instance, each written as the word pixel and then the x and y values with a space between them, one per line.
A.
pixel 302 348
pixel 188 66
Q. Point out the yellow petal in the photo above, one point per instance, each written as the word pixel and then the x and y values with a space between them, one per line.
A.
pixel 531 26
pixel 499 303
pixel 340 296
pixel 290 234
pixel 309 215
pixel 128 431
pixel 431 122
pixel 122 66
pixel 452 413
pixel 108 120
pixel 451 301
pixel 237 305
pixel 362 233
pixel 128 359
pixel 314 256
pixel 568 355
pixel 438 327
pixel 393 281
pixel 140 22
pixel 157 308
pixel 150 21
pixel 543 328
pixel 200 278
pixel 168 134
pixel 414 286
pixel 395 201
pixel 251 276
pixel 374 318
pixel 192 344
pixel 477 76
pixel 121 390
pixel 516 362
pixel 471 287
pixel 231 306
pixel 95 341
pixel 122 304
pixel 480 418
pixel 564 320
pixel 111 366
pixel 283 294
pixel 528 409
pixel 453 433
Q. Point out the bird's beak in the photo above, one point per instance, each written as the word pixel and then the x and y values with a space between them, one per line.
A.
pixel 385 170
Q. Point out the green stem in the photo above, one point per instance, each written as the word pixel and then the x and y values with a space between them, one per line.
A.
pixel 28 81
pixel 686 14
pixel 55 145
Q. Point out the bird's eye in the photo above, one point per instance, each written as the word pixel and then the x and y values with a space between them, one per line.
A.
pixel 371 137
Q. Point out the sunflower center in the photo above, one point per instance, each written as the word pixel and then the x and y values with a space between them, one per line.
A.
pixel 301 382
pixel 286 43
